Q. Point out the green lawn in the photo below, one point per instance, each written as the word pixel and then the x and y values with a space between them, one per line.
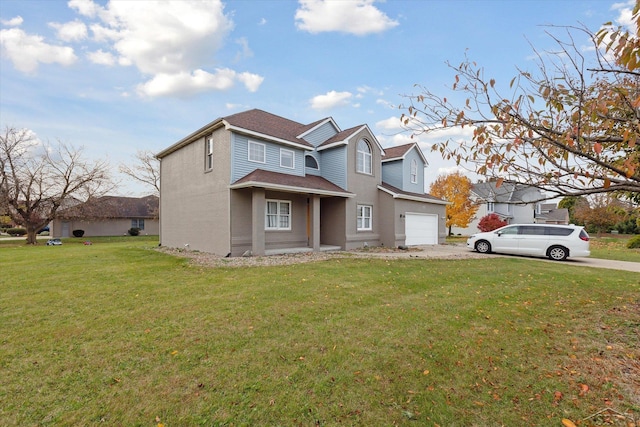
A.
pixel 117 333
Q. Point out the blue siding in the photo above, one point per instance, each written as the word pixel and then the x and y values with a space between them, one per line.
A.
pixel 241 165
pixel 408 186
pixel 333 165
pixel 398 173
pixel 392 173
pixel 320 135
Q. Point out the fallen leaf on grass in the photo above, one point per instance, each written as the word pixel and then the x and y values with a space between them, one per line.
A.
pixel 568 423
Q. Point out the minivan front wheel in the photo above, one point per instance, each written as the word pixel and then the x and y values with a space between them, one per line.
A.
pixel 483 247
pixel 558 253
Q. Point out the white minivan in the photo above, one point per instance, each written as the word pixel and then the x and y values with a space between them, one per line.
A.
pixel 554 241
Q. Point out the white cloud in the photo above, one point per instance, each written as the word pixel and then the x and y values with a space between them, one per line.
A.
pixel 70 31
pixel 85 7
pixel 187 84
pixel 26 51
pixel 13 22
pixel 359 17
pixel 330 99
pixel 101 57
pixel 245 51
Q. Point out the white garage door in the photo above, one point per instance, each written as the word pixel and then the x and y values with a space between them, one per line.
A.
pixel 421 229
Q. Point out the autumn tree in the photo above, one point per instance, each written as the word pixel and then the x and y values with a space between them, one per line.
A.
pixel 456 189
pixel 571 203
pixel 491 222
pixel 601 213
pixel 570 128
pixel 36 179
pixel 146 170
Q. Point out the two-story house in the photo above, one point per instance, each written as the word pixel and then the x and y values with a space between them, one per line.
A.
pixel 254 182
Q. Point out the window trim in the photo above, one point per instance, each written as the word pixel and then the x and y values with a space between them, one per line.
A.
pixel 414 171
pixel 360 219
pixel 264 151
pixel 278 215
pixel 208 154
pixel 293 158
pixel 367 157
pixel 491 207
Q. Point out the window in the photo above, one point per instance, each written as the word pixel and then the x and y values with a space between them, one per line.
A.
pixel 363 157
pixel 490 207
pixel 278 215
pixel 414 171
pixel 256 152
pixel 364 217
pixel 509 230
pixel 311 162
pixel 137 223
pixel 287 158
pixel 208 154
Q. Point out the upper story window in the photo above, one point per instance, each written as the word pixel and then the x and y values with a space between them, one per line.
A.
pixel 278 215
pixel 414 171
pixel 310 162
pixel 257 152
pixel 208 154
pixel 490 206
pixel 287 158
pixel 364 217
pixel 363 157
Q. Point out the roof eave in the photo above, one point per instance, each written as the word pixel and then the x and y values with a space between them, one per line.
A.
pixel 413 198
pixel 210 127
pixel 290 189
pixel 230 127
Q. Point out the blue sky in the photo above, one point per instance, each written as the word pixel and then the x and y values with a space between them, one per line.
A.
pixel 119 76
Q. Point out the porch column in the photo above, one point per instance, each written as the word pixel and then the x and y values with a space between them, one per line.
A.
pixel 315 223
pixel 258 201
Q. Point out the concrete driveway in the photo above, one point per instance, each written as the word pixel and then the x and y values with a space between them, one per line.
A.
pixel 461 252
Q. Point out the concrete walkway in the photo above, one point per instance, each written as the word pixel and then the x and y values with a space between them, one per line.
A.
pixel 449 251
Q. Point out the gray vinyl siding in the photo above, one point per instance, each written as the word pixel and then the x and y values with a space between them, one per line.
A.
pixel 392 173
pixel 241 166
pixel 318 136
pixel 333 166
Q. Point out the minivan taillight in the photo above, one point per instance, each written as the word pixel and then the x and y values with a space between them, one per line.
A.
pixel 584 236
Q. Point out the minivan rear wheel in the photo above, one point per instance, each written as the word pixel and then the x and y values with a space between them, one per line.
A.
pixel 483 247
pixel 558 253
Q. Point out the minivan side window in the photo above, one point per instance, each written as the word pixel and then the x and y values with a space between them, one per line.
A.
pixel 559 231
pixel 531 230
pixel 509 230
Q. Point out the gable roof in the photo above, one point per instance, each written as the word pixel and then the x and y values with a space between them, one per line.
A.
pixel 310 184
pixel 114 207
pixel 342 138
pixel 253 122
pixel 269 126
pixel 399 152
pixel 506 193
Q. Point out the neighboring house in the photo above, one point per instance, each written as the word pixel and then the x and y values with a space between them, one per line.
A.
pixel 549 213
pixel 513 203
pixel 257 183
pixel 109 216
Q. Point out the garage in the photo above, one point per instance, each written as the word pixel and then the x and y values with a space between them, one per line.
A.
pixel 421 229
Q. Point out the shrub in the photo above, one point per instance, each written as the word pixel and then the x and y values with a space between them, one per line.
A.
pixel 78 233
pixel 491 222
pixel 634 242
pixel 134 231
pixel 17 231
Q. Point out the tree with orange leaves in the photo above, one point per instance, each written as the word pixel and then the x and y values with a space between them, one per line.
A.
pixel 456 189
